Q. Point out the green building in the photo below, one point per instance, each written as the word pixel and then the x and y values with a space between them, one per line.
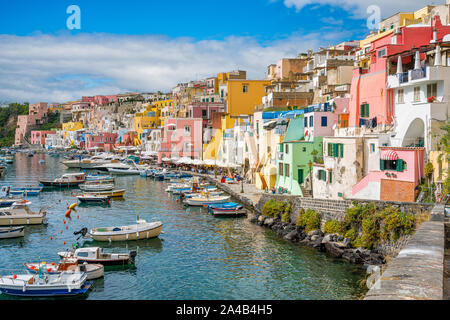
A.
pixel 294 157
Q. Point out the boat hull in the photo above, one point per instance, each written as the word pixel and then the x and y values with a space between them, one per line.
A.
pixel 141 235
pixel 6 221
pixel 43 292
pixel 8 233
pixel 113 193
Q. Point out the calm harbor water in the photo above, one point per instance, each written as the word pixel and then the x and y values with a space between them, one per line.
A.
pixel 197 257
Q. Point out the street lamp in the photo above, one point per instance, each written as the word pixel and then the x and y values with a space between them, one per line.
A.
pixel 310 175
pixel 242 180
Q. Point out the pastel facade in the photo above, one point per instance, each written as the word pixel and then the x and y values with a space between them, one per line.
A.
pixel 243 95
pixel 38 137
pixel 101 142
pixel 25 123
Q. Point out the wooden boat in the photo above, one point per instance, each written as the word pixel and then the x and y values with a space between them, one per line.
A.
pixel 21 215
pixel 100 177
pixel 4 203
pixel 227 209
pixel 86 198
pixel 11 232
pixel 66 283
pixel 113 193
pixel 96 187
pixel 93 271
pixel 206 200
pixel 200 194
pixel 26 190
pixel 96 255
pixel 66 180
pixel 141 230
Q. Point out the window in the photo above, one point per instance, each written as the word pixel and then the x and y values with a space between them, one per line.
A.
pixel 336 150
pixel 401 96
pixel 364 110
pixel 187 130
pixel 82 254
pixel 311 121
pixel 393 165
pixel 416 94
pixel 372 147
pixel 257 128
pixel 330 176
pixel 245 88
pixel 381 53
pixel 306 122
pixel 281 147
pixel 322 175
pixel 280 169
pixel 304 149
pixel 324 121
pixel 432 90
pixel 287 149
pixel 204 112
pixel 286 170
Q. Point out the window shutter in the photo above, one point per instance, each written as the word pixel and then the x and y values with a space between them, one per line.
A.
pixel 329 150
pixel 335 149
pixel 399 165
pixel 281 147
pixel 341 145
pixel 330 177
pixel 361 110
pixel 367 110
pixel 381 164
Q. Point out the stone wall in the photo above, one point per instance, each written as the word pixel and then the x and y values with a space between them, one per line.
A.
pixel 417 273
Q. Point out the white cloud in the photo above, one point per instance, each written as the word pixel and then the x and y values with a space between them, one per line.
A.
pixel 359 7
pixel 65 67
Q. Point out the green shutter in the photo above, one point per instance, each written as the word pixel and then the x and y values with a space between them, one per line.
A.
pixel 335 149
pixel 399 165
pixel 330 154
pixel 361 110
pixel 381 164
pixel 281 147
pixel 330 176
pixel 342 150
pixel 367 110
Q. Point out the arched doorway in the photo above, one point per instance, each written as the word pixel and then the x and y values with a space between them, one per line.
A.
pixel 415 135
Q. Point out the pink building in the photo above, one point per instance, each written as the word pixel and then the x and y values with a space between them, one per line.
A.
pixel 369 97
pixel 38 137
pixel 101 142
pixel 36 115
pixel 99 100
pixel 205 111
pixel 400 172
pixel 182 137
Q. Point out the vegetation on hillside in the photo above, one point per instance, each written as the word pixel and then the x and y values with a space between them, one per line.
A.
pixel 8 122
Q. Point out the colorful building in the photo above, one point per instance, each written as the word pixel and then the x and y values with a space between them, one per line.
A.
pixel 243 95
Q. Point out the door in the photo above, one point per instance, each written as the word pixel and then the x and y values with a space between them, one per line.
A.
pixel 300 176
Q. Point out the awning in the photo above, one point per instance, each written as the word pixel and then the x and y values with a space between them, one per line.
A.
pixel 389 155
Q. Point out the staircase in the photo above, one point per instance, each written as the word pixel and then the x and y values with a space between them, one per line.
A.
pixel 306 192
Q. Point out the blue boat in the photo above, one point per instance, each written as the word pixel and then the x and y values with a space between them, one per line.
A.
pixel 26 191
pixel 227 209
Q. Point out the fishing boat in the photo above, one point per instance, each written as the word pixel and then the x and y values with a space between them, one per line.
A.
pixel 116 193
pixel 93 271
pixel 96 255
pixel 91 198
pixel 100 177
pixel 66 180
pixel 66 283
pixel 26 190
pixel 5 203
pixel 90 163
pixel 227 209
pixel 206 200
pixel 200 194
pixel 141 230
pixel 89 186
pixel 20 214
pixel 11 232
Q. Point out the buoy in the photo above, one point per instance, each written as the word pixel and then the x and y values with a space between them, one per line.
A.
pixel 73 205
pixel 67 227
pixel 67 214
pixel 15 276
pixel 64 221
pixel 53 263
pixel 59 200
pixel 61 231
pixel 51 238
pixel 78 217
pixel 64 243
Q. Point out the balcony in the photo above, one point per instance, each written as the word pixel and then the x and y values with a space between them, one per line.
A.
pixel 412 77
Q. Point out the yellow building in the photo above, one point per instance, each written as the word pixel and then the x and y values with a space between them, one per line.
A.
pixel 72 126
pixel 244 95
pixel 150 119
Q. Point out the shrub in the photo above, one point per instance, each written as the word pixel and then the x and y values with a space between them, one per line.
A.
pixel 269 208
pixel 332 226
pixel 310 220
pixel 352 234
pixel 396 223
pixel 369 232
pixel 273 208
pixel 286 215
pixel 301 212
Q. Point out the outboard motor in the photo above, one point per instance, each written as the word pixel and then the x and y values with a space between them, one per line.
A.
pixel 83 232
pixel 133 255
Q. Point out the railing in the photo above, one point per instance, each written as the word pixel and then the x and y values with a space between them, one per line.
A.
pixel 404 77
pixel 418 74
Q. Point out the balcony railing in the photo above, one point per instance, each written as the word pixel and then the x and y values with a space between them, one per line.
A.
pixel 404 77
pixel 418 74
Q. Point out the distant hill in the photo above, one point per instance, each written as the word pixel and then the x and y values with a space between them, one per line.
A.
pixel 8 122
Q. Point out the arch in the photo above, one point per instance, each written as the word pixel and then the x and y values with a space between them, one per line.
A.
pixel 415 134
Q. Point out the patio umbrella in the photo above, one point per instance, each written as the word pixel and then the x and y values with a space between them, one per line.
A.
pixel 438 58
pixel 197 162
pixel 399 65
pixel 417 61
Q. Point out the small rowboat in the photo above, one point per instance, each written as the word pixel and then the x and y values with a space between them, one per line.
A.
pixel 227 209
pixel 11 232
pixel 113 193
pixel 96 187
pixel 141 230
pixel 199 194
pixel 86 198
pixel 205 200
pixel 96 255
pixel 93 271
pixel 66 283
pixel 26 191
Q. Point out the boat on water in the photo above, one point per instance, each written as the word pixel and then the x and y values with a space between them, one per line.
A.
pixel 26 191
pixel 227 209
pixel 20 214
pixel 200 194
pixel 93 271
pixel 89 186
pixel 66 180
pixel 206 200
pixel 5 203
pixel 11 232
pixel 66 283
pixel 96 255
pixel 90 163
pixel 141 230
pixel 116 193
pixel 100 177
pixel 124 171
pixel 87 198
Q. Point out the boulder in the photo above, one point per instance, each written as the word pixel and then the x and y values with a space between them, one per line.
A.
pixel 261 218
pixel 314 233
pixel 269 221
pixel 291 235
pixel 252 218
pixel 333 250
pixel 346 242
pixel 327 238
pixel 314 237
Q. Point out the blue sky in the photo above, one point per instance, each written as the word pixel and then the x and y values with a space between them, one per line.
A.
pixel 139 45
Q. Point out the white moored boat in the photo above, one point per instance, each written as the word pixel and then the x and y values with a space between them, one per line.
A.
pixel 96 186
pixel 11 232
pixel 205 200
pixel 127 171
pixel 141 230
pixel 93 271
pixel 21 215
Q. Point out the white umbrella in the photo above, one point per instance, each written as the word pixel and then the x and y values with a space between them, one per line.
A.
pixel 210 162
pixel 399 65
pixel 417 61
pixel 165 159
pixel 438 58
pixel 197 162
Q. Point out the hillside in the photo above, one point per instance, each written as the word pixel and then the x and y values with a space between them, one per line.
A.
pixel 8 122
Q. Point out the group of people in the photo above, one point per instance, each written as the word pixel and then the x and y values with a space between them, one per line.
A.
pixel 234 178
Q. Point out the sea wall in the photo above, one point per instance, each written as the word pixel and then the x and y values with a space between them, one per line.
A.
pixel 417 273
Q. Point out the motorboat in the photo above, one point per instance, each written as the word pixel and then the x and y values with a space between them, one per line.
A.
pixel 96 255
pixel 90 163
pixel 227 209
pixel 206 200
pixel 26 190
pixel 66 283
pixel 66 180
pixel 89 186
pixel 11 232
pixel 91 198
pixel 93 271
pixel 99 178
pixel 113 165
pixel 116 193
pixel 200 194
pixel 124 171
pixel 141 230
pixel 5 203
pixel 20 214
